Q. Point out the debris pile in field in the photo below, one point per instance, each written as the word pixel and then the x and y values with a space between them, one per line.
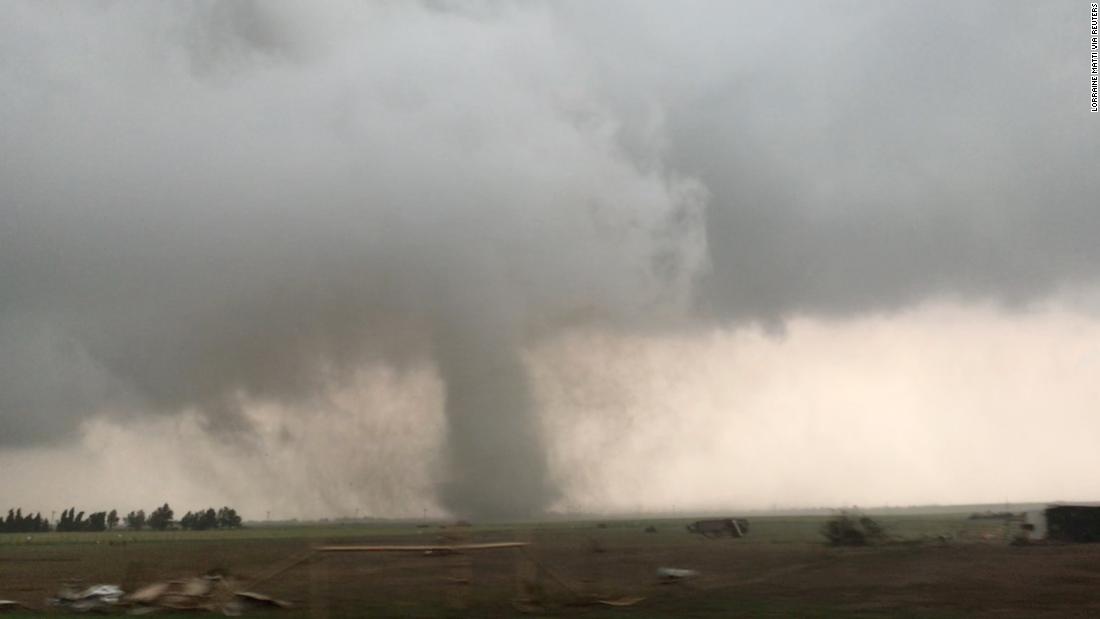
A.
pixel 720 527
pixel 95 598
pixel 210 593
pixel 204 593
pixel 849 529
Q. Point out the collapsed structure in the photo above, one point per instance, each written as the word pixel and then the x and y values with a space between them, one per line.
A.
pixel 720 527
pixel 1064 523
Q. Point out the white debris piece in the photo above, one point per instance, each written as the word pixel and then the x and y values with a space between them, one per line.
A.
pixel 675 573
pixel 94 598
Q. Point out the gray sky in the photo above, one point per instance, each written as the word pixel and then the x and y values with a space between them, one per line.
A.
pixel 349 253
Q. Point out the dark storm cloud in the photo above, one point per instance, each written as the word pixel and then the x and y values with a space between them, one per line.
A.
pixel 869 156
pixel 219 202
pixel 212 204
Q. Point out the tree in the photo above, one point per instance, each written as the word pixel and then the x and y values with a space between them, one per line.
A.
pixel 134 520
pixel 228 518
pixel 96 522
pixel 161 518
pixel 112 519
pixel 18 522
pixel 66 521
pixel 207 520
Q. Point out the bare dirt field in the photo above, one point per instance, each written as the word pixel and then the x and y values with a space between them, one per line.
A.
pixel 781 569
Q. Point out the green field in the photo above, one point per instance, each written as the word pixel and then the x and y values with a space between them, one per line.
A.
pixel 942 565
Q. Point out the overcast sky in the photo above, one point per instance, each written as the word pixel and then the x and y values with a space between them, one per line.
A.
pixel 501 258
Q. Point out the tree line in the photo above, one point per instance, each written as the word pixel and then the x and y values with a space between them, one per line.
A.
pixel 224 518
pixel 159 519
pixel 16 522
pixel 71 520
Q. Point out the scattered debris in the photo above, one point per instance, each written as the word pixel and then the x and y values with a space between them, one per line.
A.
pixel 149 594
pixel 210 593
pixel 593 600
pixel 849 529
pixel 95 598
pixel 628 600
pixel 422 547
pixel 720 527
pixel 247 600
pixel 674 574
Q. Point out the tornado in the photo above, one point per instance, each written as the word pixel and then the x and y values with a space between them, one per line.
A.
pixel 253 202
pixel 495 455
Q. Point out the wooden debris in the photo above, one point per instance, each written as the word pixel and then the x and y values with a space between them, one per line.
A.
pixel 450 548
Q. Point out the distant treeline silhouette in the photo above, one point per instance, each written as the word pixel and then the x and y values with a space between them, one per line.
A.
pixel 159 519
pixel 71 520
pixel 224 518
pixel 16 522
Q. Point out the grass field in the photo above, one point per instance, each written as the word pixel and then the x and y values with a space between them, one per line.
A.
pixel 935 566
